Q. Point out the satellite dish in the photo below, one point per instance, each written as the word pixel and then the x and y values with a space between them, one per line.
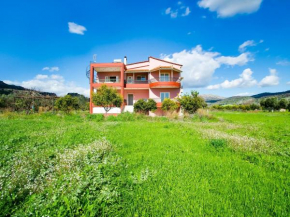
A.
pixel 95 57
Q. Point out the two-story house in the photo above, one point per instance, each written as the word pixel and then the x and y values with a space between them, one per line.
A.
pixel 152 79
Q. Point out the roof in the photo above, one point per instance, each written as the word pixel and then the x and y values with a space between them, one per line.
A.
pixel 155 59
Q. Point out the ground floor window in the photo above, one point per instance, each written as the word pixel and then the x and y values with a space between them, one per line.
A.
pixel 164 95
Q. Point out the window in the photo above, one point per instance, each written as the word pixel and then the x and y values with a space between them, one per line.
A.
pixel 164 95
pixel 141 78
pixel 112 79
pixel 164 77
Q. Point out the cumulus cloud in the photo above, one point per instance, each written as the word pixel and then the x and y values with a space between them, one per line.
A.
pixel 283 63
pixel 229 8
pixel 51 83
pixel 270 80
pixel 51 69
pixel 199 65
pixel 75 28
pixel 245 80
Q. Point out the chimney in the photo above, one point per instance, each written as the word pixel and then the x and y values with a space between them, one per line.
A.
pixel 125 60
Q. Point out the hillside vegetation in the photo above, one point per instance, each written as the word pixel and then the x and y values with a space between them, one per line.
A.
pixel 229 164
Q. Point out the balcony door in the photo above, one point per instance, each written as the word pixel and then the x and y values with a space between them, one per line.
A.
pixel 129 79
pixel 130 99
pixel 164 77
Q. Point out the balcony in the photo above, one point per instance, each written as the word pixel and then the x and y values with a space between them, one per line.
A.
pixel 136 84
pixel 113 82
pixel 165 82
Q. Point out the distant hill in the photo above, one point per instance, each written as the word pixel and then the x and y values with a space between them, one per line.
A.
pixel 252 99
pixel 10 86
pixel 80 96
pixel 210 98
pixel 7 89
pixel 266 94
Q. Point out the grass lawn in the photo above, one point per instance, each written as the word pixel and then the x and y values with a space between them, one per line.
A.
pixel 80 165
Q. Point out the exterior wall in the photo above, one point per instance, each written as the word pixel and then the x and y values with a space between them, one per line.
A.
pixel 137 94
pixel 155 93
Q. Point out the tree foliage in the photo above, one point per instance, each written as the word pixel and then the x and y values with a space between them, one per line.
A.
pixel 107 97
pixel 191 102
pixel 169 105
pixel 142 106
pixel 67 103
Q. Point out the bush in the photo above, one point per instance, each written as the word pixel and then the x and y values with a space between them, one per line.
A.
pixel 67 103
pixel 191 102
pixel 169 105
pixel 144 107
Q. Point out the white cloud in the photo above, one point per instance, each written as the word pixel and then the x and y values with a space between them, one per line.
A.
pixel 270 80
pixel 249 43
pixel 75 28
pixel 283 63
pixel 173 14
pixel 51 69
pixel 199 65
pixel 187 12
pixel 244 94
pixel 288 83
pixel 52 83
pixel 229 8
pixel 240 60
pixel 40 76
pixel 245 80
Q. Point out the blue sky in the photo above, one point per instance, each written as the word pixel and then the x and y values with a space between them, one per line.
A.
pixel 227 47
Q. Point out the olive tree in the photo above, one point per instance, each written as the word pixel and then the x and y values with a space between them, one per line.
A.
pixel 191 102
pixel 107 97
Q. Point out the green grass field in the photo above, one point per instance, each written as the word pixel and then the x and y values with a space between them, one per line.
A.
pixel 236 164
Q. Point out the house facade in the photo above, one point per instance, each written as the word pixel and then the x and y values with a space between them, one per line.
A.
pixel 152 79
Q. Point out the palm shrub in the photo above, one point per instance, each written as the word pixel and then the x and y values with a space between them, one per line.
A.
pixel 191 102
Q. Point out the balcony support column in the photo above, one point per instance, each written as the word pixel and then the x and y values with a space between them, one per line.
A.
pixel 91 87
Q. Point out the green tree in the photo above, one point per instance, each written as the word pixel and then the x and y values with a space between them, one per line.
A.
pixel 283 104
pixel 191 102
pixel 67 103
pixel 107 97
pixel 142 106
pixel 271 103
pixel 169 105
pixel 288 107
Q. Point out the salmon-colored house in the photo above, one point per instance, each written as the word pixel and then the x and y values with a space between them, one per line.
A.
pixel 152 79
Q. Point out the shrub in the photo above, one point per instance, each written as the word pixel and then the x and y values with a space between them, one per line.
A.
pixel 67 103
pixel 169 105
pixel 144 107
pixel 191 102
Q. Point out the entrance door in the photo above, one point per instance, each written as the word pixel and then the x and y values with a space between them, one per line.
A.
pixel 130 99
